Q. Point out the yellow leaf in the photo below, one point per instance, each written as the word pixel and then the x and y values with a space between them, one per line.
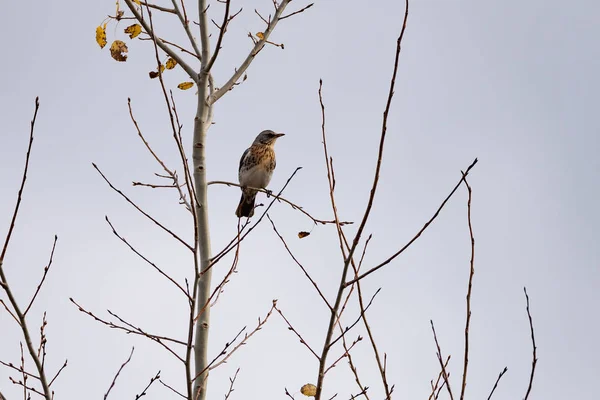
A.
pixel 309 390
pixel 161 68
pixel 171 63
pixel 303 234
pixel 101 35
pixel 117 50
pixel 185 85
pixel 133 30
pixel 260 35
pixel 137 2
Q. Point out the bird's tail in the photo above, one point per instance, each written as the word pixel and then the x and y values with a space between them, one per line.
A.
pixel 246 206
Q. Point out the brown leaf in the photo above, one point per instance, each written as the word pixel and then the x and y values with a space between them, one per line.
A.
pixel 303 234
pixel 117 50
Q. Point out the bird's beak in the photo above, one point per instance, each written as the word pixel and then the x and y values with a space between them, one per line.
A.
pixel 278 135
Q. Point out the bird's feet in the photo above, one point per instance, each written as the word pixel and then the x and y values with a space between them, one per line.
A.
pixel 269 193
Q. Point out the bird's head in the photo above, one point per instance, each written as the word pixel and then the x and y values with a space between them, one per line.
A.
pixel 267 137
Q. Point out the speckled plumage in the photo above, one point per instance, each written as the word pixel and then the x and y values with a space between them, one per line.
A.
pixel 256 169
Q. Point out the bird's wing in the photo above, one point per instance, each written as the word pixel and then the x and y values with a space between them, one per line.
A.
pixel 242 159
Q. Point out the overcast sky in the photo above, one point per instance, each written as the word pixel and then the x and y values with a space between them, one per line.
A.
pixel 514 83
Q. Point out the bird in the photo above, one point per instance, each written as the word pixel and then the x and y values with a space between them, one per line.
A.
pixel 256 169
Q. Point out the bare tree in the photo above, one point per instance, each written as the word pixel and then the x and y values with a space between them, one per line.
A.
pixel 198 58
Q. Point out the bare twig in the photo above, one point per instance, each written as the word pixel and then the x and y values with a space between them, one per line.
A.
pixel 362 313
pixel 496 383
pixel 172 389
pixel 144 213
pixel 16 310
pixel 247 336
pixel 37 290
pixel 291 328
pixel 152 380
pixel 173 281
pixel 18 369
pixel 112 384
pixel 231 383
pixel 297 12
pixel 534 357
pixel 58 373
pixel 157 7
pixel 232 245
pixel 349 257
pixel 344 354
pixel 222 30
pixel 294 206
pixel 471 273
pixel 435 215
pixel 299 264
pixel 131 329
pixel 440 359
pixel 171 174
pixel 434 387
pixel 246 63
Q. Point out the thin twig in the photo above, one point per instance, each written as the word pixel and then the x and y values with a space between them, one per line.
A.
pixel 471 273
pixel 534 356
pixel 132 329
pixel 299 264
pixel 246 63
pixel 434 387
pixel 58 373
pixel 361 315
pixel 344 354
pixel 231 383
pixel 294 206
pixel 297 12
pixel 133 249
pixel 247 336
pixel 172 389
pixel 435 215
pixel 144 213
pixel 152 380
pixel 37 290
pixel 291 328
pixel 20 316
pixel 439 357
pixel 238 239
pixel 497 380
pixel 112 384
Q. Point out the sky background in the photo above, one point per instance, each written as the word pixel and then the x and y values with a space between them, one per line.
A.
pixel 513 83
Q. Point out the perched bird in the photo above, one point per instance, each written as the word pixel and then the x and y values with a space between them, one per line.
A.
pixel 256 169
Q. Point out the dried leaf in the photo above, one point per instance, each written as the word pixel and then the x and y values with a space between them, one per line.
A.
pixel 171 63
pixel 154 74
pixel 309 390
pixel 133 30
pixel 185 85
pixel 101 35
pixel 117 50
pixel 119 15
pixel 303 234
pixel 260 35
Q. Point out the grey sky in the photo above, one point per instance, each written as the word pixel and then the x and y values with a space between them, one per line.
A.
pixel 513 83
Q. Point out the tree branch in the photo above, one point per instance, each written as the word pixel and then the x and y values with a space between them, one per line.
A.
pixel 246 63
